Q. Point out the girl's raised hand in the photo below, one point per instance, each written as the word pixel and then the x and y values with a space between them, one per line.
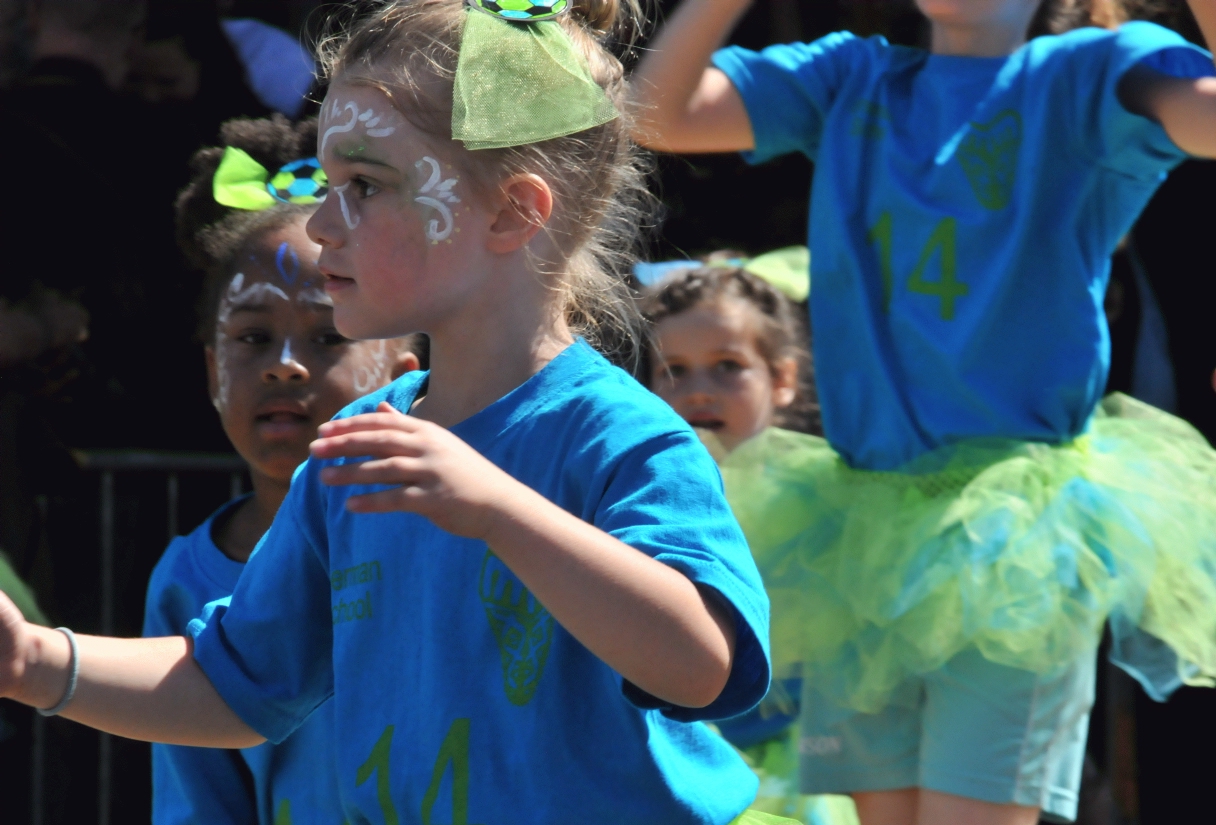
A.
pixel 434 473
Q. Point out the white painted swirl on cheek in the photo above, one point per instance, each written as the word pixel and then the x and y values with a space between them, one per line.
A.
pixel 441 191
pixel 435 233
pixel 371 378
pixel 350 223
pixel 222 379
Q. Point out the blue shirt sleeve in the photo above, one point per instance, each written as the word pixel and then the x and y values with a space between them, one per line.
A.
pixel 1110 135
pixel 190 786
pixel 788 89
pixel 268 648
pixel 666 499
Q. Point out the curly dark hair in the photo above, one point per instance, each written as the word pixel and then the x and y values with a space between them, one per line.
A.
pixel 781 332
pixel 211 235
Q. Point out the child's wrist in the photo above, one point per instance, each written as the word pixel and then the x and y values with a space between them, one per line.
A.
pixel 45 676
pixel 507 512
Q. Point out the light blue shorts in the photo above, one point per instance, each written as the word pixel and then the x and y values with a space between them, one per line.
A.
pixel 972 728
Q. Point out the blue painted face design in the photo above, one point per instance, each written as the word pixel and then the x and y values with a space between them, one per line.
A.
pixel 288 263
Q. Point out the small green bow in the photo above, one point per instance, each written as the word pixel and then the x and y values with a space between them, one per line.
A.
pixel 243 183
pixel 788 270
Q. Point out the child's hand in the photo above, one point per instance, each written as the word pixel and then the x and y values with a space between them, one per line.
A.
pixel 14 639
pixel 438 475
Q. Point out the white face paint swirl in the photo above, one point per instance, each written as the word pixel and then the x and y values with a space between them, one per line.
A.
pixel 235 295
pixel 368 119
pixel 339 128
pixel 370 378
pixel 439 191
pixel 351 223
pixel 312 295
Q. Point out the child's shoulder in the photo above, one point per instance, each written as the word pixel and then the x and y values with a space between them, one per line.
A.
pixel 192 570
pixel 588 390
pixel 400 394
pixel 841 46
pixel 1137 39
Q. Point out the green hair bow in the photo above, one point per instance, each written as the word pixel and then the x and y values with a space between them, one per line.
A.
pixel 243 183
pixel 788 270
pixel 520 79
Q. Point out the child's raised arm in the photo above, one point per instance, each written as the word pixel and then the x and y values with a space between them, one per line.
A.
pixel 1185 107
pixel 149 689
pixel 683 104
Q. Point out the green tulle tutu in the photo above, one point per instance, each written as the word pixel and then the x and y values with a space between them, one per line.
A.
pixel 1020 549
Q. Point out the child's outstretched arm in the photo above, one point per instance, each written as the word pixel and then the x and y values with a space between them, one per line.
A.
pixel 682 104
pixel 647 621
pixel 1185 107
pixel 149 689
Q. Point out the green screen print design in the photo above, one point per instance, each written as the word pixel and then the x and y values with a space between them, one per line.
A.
pixel 989 157
pixel 522 627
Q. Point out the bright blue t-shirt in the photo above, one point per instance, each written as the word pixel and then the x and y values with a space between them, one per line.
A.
pixel 457 697
pixel 286 784
pixel 963 215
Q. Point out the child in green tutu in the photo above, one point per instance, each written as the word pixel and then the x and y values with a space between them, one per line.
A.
pixel 942 566
pixel 729 355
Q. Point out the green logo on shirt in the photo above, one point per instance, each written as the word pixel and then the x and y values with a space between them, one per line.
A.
pixel 522 628
pixel 989 157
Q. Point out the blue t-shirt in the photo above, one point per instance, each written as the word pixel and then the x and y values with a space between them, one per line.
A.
pixel 457 697
pixel 963 215
pixel 293 782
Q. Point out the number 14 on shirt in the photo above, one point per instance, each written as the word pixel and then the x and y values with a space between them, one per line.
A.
pixel 942 240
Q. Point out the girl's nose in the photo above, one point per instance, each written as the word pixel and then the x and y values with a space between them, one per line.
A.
pixel 698 388
pixel 323 227
pixel 286 367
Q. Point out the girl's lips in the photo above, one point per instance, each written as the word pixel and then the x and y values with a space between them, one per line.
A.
pixel 336 283
pixel 284 425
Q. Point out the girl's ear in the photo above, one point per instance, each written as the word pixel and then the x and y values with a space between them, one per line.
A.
pixel 785 382
pixel 525 205
pixel 405 361
pixel 213 380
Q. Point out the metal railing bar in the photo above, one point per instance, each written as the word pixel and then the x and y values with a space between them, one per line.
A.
pixel 155 461
pixel 38 773
pixel 171 494
pixel 105 753
pixel 108 463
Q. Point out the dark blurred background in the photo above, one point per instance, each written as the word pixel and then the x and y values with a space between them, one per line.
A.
pixel 102 103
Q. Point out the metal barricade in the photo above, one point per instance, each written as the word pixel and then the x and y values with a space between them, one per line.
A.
pixel 108 464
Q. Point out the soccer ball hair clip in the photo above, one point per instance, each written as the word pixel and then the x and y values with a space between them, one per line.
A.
pixel 243 183
pixel 522 11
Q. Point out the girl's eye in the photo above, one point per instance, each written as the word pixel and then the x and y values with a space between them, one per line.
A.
pixel 254 337
pixel 676 371
pixel 728 366
pixel 364 187
pixel 331 338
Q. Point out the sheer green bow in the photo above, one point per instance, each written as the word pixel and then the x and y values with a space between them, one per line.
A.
pixel 520 79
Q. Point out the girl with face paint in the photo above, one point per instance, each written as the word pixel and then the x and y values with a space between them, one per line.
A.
pixel 277 369
pixel 515 577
